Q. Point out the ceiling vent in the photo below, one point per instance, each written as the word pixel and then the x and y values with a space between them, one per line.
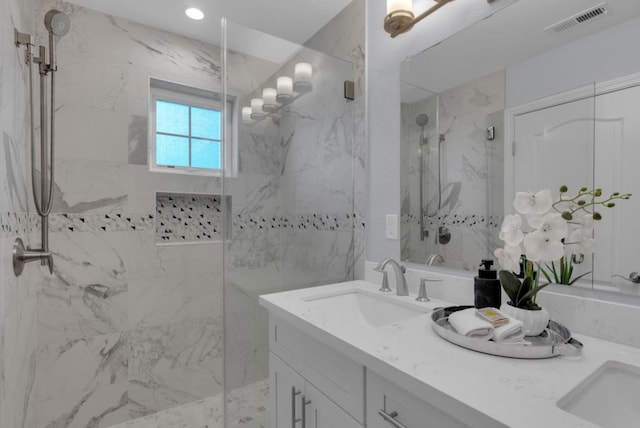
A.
pixel 579 18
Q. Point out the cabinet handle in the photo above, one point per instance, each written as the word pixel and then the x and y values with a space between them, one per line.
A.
pixel 305 403
pixel 391 418
pixel 294 421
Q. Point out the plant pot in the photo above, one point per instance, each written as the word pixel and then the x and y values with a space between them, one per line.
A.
pixel 534 322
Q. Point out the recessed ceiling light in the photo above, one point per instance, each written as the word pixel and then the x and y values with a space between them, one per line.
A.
pixel 194 13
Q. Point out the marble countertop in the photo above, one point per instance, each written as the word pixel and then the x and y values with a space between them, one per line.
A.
pixel 516 393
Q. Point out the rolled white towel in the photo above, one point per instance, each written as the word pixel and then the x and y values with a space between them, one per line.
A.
pixel 467 323
pixel 512 332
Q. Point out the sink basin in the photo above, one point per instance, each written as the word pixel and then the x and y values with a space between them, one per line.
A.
pixel 610 397
pixel 366 308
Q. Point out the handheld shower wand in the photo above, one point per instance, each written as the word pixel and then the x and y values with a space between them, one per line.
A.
pixel 57 24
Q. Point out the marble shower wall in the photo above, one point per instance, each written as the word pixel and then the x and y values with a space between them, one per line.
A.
pixel 125 327
pixel 468 164
pixel 297 218
pixel 18 328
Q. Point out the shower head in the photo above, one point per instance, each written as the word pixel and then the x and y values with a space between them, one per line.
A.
pixel 422 120
pixel 57 23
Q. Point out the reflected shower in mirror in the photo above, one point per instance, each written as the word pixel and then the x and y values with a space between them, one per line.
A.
pixel 481 89
pixel 446 172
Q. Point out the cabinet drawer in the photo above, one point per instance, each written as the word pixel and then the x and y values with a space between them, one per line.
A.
pixel 332 373
pixel 408 411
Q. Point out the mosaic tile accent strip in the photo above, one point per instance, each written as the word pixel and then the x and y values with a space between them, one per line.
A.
pixel 119 222
pixel 467 220
pixel 188 218
pixel 319 222
pixel 18 224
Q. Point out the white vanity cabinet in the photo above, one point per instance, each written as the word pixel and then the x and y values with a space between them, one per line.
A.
pixel 389 406
pixel 296 403
pixel 312 386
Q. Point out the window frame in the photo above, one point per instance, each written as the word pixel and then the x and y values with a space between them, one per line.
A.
pixel 162 90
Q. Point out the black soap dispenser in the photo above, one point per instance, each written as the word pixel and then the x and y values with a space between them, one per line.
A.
pixel 486 286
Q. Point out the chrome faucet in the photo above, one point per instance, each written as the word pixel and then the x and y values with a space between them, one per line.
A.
pixel 435 258
pixel 401 281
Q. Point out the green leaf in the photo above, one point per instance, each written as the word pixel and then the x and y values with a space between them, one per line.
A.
pixel 531 293
pixel 511 285
pixel 524 290
pixel 578 278
pixel 546 274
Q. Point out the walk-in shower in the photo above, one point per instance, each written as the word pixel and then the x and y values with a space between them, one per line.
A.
pixel 57 24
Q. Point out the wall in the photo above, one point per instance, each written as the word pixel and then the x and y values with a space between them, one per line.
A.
pixel 18 328
pixel 383 57
pixel 597 58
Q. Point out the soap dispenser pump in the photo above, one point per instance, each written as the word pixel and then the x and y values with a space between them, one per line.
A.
pixel 486 285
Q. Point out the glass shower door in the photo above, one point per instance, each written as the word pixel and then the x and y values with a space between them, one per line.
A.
pixel 289 195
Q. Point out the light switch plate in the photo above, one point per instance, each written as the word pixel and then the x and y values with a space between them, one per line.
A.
pixel 392 226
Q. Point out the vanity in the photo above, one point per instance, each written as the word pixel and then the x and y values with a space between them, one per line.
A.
pixel 347 355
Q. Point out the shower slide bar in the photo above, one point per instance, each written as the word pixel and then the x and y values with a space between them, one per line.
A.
pixel 57 24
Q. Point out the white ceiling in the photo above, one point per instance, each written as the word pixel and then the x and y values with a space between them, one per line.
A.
pixel 292 20
pixel 509 36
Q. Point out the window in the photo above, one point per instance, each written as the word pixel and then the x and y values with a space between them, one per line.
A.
pixel 186 130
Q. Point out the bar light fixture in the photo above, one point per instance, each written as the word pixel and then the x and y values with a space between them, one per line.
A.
pixel 286 91
pixel 400 17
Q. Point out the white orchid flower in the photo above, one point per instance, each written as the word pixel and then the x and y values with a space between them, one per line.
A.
pixel 535 221
pixel 581 240
pixel 510 231
pixel 535 204
pixel 584 220
pixel 541 247
pixel 509 257
pixel 554 226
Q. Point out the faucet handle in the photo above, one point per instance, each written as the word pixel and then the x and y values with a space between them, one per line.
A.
pixel 385 281
pixel 422 293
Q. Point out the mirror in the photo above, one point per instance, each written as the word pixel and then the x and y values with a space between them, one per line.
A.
pixel 535 96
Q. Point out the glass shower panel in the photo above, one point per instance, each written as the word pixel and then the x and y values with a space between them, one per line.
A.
pixel 290 203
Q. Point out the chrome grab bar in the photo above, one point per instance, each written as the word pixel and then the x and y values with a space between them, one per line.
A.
pixel 304 403
pixel 391 418
pixel 294 421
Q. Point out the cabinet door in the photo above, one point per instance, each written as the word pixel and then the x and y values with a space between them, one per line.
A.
pixel 285 394
pixel 320 412
pixel 391 407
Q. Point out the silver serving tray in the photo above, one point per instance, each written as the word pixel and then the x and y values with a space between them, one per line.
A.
pixel 553 341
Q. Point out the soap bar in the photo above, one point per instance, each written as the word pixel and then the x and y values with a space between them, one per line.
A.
pixel 493 316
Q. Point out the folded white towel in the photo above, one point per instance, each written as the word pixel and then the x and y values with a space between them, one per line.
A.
pixel 512 332
pixel 467 323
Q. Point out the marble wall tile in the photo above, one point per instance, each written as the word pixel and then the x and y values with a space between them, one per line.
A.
pixel 83 186
pixel 138 128
pixel 84 262
pixel 247 336
pixel 89 133
pixel 165 300
pixel 174 364
pixel 83 382
pixel 19 347
pixel 258 147
pixel 18 331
